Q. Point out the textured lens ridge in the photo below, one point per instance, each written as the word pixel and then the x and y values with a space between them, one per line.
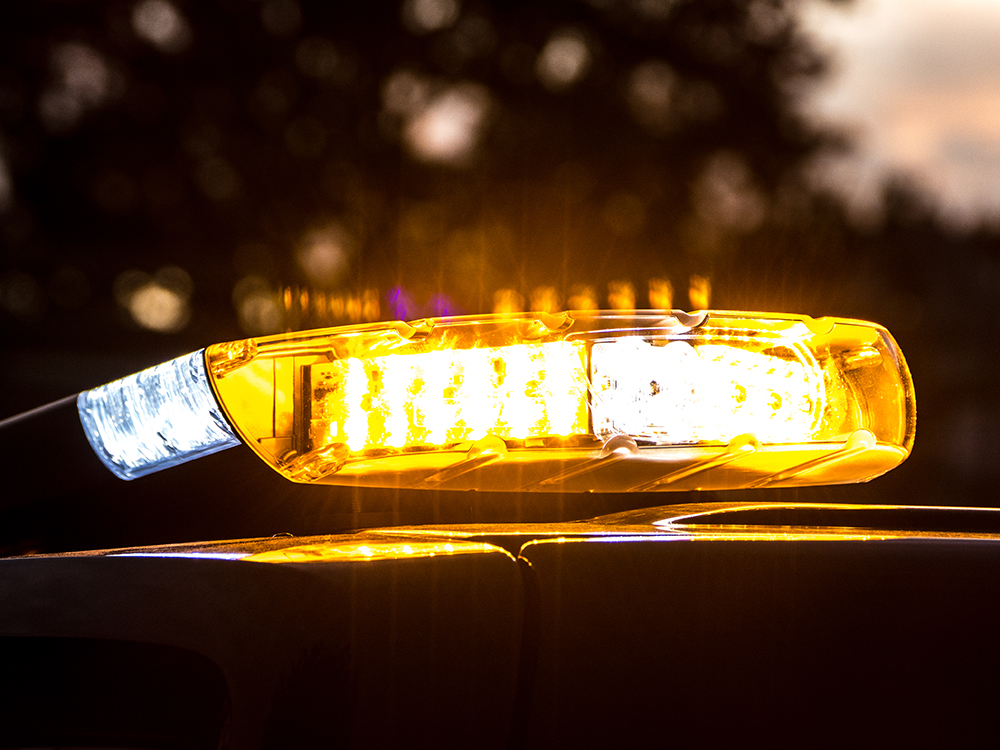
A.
pixel 155 419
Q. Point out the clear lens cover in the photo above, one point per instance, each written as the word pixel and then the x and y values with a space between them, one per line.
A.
pixel 155 419
pixel 574 402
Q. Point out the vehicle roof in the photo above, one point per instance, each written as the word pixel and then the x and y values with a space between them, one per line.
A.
pixel 714 520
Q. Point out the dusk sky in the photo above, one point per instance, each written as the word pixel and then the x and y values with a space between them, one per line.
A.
pixel 917 82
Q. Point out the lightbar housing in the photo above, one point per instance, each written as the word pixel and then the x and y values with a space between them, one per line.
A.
pixel 579 401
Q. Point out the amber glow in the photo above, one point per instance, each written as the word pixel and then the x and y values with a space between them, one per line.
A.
pixel 359 550
pixel 699 292
pixel 319 307
pixel 582 298
pixel 576 402
pixel 661 294
pixel 621 296
pixel 443 397
pixel 506 301
pixel 299 307
pixel 545 299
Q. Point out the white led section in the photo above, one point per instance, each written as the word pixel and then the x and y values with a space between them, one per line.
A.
pixel 685 392
pixel 155 419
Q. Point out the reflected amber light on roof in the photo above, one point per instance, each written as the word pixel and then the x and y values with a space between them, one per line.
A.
pixel 359 551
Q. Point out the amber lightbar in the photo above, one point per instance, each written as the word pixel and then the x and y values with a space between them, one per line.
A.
pixel 586 401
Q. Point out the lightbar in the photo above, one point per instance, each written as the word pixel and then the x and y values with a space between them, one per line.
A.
pixel 579 401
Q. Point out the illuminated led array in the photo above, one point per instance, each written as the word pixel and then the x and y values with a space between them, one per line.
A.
pixel 442 397
pixel 683 392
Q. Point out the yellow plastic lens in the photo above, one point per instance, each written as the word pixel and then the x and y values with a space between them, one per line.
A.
pixel 578 401
pixel 438 398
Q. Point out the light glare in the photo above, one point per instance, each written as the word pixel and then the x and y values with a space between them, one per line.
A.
pixel 541 401
pixel 445 397
pixel 683 393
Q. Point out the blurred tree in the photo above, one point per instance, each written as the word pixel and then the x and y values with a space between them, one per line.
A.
pixel 448 148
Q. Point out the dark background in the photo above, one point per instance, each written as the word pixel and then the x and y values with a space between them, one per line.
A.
pixel 174 174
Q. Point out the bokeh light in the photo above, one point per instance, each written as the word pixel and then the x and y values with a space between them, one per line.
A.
pixel 661 294
pixel 650 92
pixel 725 194
pixel 113 191
pixel 81 80
pixel 621 296
pixel 423 16
pixel 582 297
pixel 700 292
pixel 217 179
pixel 257 304
pixel 449 127
pixel 405 93
pixel 159 302
pixel 318 57
pixel 507 301
pixel 545 299
pixel 22 296
pixel 564 60
pixel 281 17
pixel 160 23
pixel 324 254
